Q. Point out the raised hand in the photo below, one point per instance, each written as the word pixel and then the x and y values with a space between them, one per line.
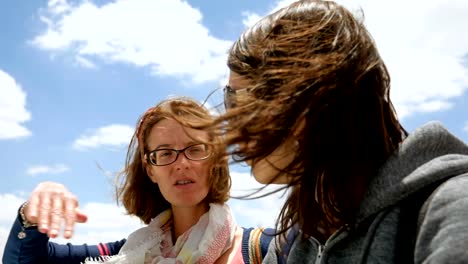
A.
pixel 52 206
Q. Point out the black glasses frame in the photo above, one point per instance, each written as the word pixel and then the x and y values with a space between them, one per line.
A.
pixel 178 151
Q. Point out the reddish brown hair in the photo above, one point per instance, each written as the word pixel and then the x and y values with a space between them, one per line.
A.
pixel 139 195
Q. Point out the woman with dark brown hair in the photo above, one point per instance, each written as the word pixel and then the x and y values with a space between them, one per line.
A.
pixel 176 180
pixel 309 105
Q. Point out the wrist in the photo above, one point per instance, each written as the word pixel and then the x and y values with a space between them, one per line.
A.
pixel 24 221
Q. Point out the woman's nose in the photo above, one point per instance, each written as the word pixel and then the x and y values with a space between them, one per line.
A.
pixel 182 162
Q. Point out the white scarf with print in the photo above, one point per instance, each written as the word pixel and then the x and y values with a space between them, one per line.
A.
pixel 203 243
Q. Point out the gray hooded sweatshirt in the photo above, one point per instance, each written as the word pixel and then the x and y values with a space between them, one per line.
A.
pixel 415 210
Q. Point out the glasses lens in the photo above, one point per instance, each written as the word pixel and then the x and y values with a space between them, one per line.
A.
pixel 229 97
pixel 163 156
pixel 151 158
pixel 198 152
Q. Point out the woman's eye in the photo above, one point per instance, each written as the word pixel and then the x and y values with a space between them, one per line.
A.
pixel 195 149
pixel 163 154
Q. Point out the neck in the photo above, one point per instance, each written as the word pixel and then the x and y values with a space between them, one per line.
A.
pixel 186 217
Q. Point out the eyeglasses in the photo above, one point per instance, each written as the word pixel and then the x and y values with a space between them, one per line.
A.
pixel 163 157
pixel 230 96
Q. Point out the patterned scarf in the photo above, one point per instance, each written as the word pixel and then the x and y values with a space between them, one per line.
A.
pixel 203 243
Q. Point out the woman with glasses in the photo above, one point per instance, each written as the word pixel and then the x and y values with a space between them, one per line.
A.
pixel 176 180
pixel 309 105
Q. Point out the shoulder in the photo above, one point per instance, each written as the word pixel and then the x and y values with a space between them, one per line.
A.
pixel 450 197
pixel 448 202
pixel 452 189
pixel 443 226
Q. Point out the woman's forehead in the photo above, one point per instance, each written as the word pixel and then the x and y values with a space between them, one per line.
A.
pixel 169 130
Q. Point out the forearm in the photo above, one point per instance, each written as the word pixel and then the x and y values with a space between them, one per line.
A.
pixel 28 245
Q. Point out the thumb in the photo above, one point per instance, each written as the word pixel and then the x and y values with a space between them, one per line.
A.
pixel 80 216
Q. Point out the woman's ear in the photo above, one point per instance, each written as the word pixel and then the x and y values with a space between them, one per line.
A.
pixel 150 172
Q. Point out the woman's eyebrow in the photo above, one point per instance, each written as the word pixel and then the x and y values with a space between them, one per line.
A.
pixel 163 146
pixel 170 146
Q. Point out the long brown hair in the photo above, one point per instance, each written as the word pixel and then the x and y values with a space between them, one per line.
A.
pixel 139 195
pixel 314 74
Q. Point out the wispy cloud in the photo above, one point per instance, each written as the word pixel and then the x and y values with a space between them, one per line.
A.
pixel 44 169
pixel 84 62
pixel 250 18
pixel 58 6
pixel 13 112
pixel 421 45
pixel 167 36
pixel 108 136
pixel 466 126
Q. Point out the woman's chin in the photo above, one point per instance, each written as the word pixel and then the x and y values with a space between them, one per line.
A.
pixel 264 173
pixel 269 170
pixel 262 179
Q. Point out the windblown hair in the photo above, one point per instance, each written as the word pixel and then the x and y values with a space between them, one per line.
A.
pixel 315 75
pixel 135 190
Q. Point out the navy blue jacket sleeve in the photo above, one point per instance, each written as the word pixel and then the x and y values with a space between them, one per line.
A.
pixel 28 245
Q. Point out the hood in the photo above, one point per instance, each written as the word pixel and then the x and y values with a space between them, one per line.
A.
pixel 427 155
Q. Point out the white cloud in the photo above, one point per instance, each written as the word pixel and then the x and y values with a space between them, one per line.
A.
pixel 421 45
pixel 9 204
pixel 250 18
pixel 244 183
pixel 108 136
pixel 44 169
pixel 258 212
pixel 466 126
pixel 4 232
pixel 166 35
pixel 261 212
pixel 13 112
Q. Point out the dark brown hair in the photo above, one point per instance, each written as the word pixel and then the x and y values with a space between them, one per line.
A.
pixel 315 75
pixel 135 190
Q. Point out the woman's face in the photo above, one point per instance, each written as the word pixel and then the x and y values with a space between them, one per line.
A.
pixel 266 170
pixel 185 182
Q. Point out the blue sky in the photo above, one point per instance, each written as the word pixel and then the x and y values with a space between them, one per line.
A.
pixel 76 75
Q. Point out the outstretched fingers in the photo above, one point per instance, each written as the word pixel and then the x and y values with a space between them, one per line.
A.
pixel 53 207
